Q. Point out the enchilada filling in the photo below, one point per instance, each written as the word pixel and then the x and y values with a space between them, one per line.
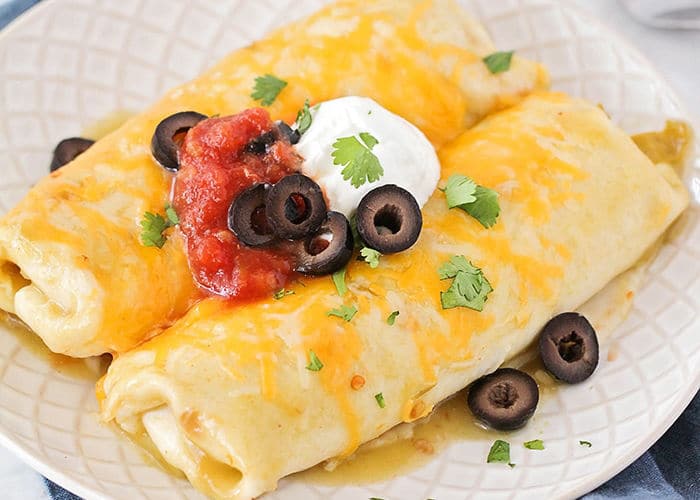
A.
pixel 219 159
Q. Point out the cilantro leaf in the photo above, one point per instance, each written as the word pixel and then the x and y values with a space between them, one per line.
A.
pixel 380 400
pixel 339 281
pixel 344 312
pixel 535 444
pixel 171 214
pixel 314 363
pixel 369 140
pixel 304 118
pixel 361 165
pixel 371 256
pixel 281 293
pixel 456 264
pixel 267 88
pixel 499 453
pixel 469 287
pixel 478 201
pixel 498 62
pixel 152 227
pixel 586 444
pixel 391 319
pixel 459 190
pixel 485 209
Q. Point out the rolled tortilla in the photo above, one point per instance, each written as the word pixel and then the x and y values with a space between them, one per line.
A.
pixel 71 263
pixel 226 395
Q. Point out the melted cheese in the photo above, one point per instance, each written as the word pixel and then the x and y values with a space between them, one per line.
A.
pixel 561 235
pixel 87 214
pixel 489 155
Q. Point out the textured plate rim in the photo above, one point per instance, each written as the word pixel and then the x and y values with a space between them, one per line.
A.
pixel 29 457
pixel 655 434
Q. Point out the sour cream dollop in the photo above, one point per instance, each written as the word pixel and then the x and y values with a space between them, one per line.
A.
pixel 407 157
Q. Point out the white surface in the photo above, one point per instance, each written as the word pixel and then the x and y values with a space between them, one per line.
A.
pixel 674 53
pixel 667 14
pixel 405 154
pixel 72 61
pixel 18 481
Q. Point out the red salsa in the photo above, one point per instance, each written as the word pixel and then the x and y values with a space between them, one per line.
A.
pixel 215 166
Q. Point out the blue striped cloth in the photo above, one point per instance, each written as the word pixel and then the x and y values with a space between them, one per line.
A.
pixel 669 470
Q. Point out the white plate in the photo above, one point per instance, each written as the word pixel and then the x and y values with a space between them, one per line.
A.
pixel 70 62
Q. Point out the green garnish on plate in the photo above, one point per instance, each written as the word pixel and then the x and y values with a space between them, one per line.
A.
pixel 314 363
pixel 371 256
pixel 498 62
pixel 153 226
pixel 344 312
pixel 267 88
pixel 499 452
pixel 469 287
pixel 478 201
pixel 356 156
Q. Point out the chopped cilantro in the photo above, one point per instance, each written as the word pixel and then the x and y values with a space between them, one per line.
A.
pixel 459 190
pixel 499 453
pixel 535 444
pixel 304 118
pixel 153 225
pixel 344 312
pixel 361 165
pixel 171 214
pixel 371 256
pixel 511 465
pixel 498 62
pixel 485 209
pixel 391 319
pixel 355 233
pixel 380 400
pixel 339 281
pixel 267 88
pixel 279 294
pixel 469 287
pixel 478 201
pixel 456 264
pixel 587 444
pixel 314 363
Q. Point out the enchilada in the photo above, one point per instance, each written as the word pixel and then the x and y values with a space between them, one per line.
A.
pixel 238 396
pixel 73 266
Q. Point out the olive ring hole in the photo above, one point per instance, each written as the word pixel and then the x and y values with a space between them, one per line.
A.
pixel 297 208
pixel 503 395
pixel 318 243
pixel 388 220
pixel 259 222
pixel 571 348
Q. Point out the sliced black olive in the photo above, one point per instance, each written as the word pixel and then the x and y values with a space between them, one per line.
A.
pixel 389 219
pixel 247 218
pixel 167 137
pixel 261 144
pixel 292 135
pixel 67 150
pixel 569 347
pixel 329 249
pixel 505 399
pixel 295 207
